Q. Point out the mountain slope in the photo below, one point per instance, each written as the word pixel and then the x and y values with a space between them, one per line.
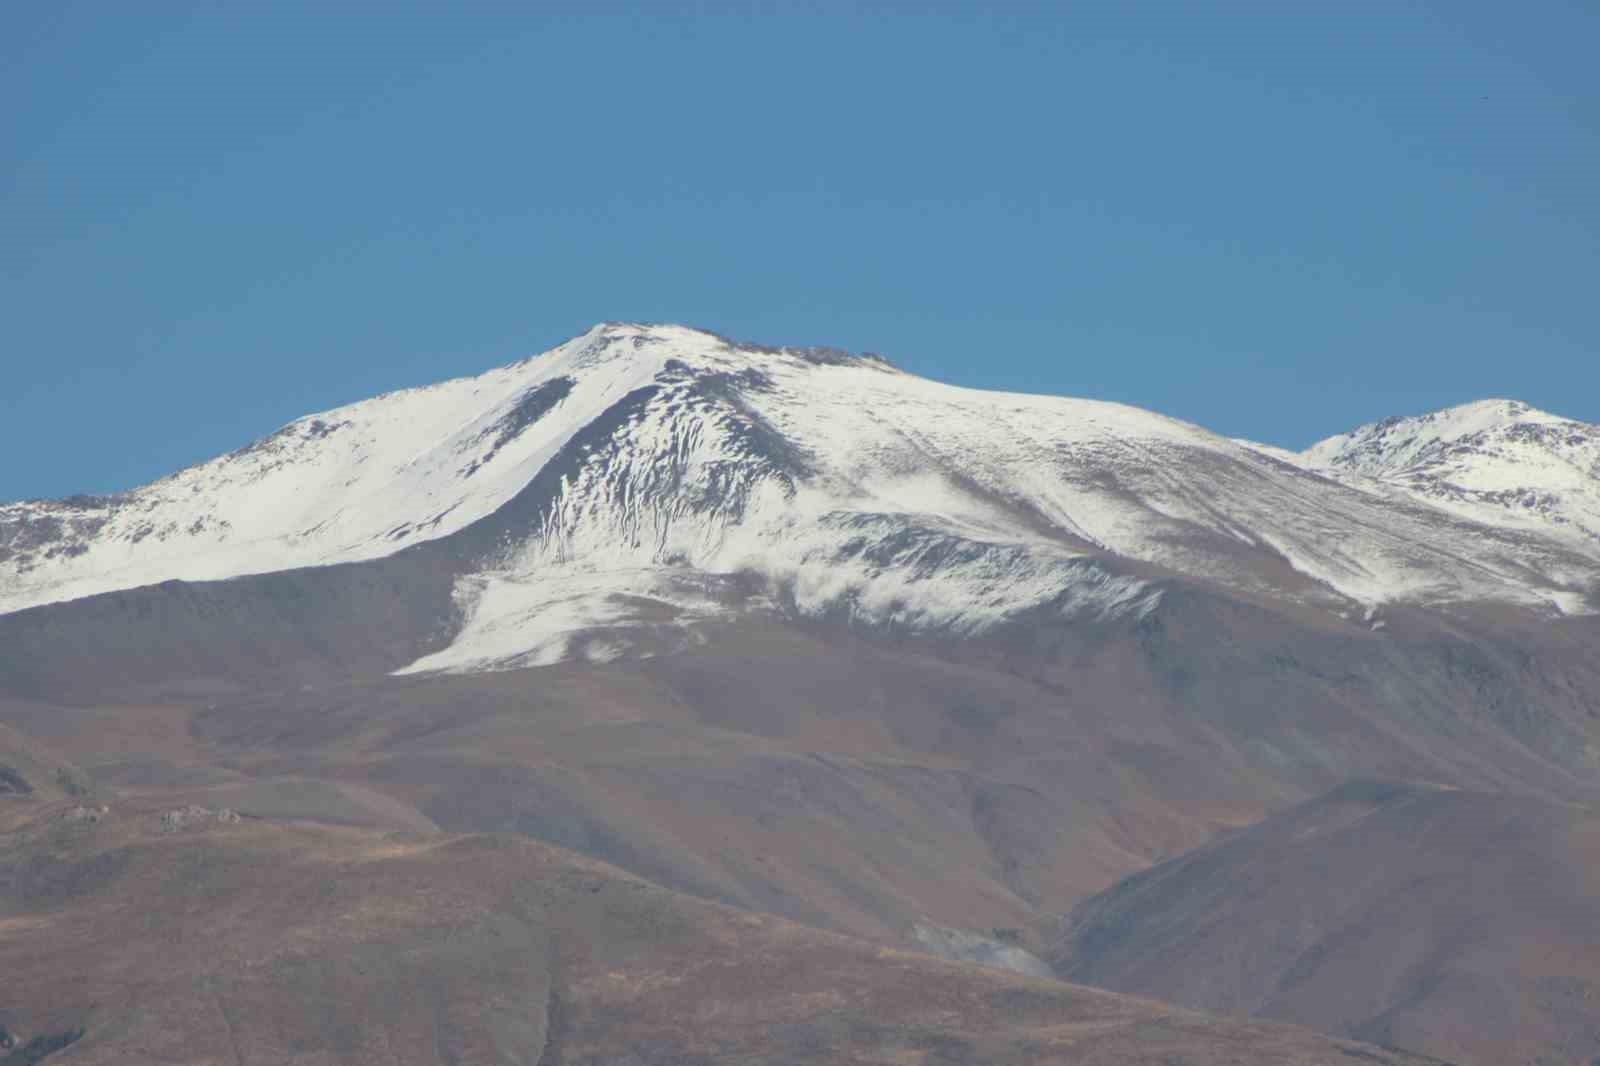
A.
pixel 1495 461
pixel 638 482
pixel 791 630
pixel 1461 924
pixel 357 482
pixel 191 936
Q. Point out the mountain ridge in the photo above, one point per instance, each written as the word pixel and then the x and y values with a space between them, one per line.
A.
pixel 1378 911
pixel 670 477
pixel 1491 460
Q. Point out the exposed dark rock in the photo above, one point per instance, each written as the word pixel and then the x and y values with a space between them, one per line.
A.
pixel 13 783
pixel 43 1046
pixel 532 406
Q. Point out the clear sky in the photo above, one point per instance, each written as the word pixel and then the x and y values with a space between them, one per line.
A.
pixel 1275 219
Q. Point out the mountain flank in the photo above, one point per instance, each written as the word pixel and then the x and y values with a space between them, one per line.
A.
pixel 838 669
pixel 1401 913
pixel 138 938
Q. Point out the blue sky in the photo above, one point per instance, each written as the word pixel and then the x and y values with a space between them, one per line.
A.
pixel 1276 220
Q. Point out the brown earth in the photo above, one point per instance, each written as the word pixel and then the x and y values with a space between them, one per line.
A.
pixel 861 783
pixel 131 938
pixel 857 782
pixel 1462 924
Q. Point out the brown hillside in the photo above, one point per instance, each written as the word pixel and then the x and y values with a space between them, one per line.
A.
pixel 148 937
pixel 1466 925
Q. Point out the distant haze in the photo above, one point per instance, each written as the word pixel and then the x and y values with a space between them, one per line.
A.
pixel 1274 221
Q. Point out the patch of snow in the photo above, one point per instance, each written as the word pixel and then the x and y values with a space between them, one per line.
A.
pixel 960 946
pixel 519 620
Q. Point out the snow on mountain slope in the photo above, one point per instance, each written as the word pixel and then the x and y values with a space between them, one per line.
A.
pixel 846 487
pixel 356 482
pixel 1497 461
pixel 610 495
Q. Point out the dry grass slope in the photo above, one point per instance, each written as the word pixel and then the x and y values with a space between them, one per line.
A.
pixel 251 942
pixel 1461 924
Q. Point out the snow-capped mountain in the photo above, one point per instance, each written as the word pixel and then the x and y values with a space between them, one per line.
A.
pixel 638 480
pixel 1497 461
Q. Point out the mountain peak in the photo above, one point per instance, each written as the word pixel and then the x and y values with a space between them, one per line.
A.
pixel 1403 441
pixel 606 341
pixel 1479 415
pixel 1487 460
pixel 600 473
